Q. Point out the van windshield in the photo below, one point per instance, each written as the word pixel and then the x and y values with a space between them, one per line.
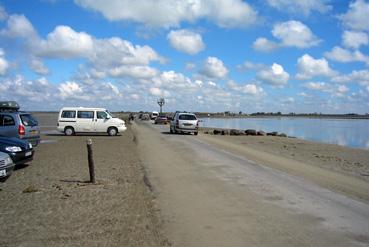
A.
pixel 111 114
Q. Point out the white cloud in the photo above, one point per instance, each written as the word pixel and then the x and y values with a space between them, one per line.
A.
pixel 290 34
pixel 295 34
pixel 18 26
pixel 214 68
pixel 352 39
pixel 249 89
pixel 70 89
pixel 159 92
pixel 20 89
pixel 247 65
pixel 357 16
pixel 361 77
pixel 113 56
pixel 169 13
pixel 265 45
pixel 308 67
pixel 133 71
pixel 339 90
pixel 302 6
pixel 64 42
pixel 346 56
pixel 38 66
pixel 274 75
pixel 318 86
pixel 4 65
pixel 186 41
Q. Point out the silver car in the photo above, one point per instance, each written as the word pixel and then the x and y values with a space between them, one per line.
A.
pixel 19 124
pixel 184 122
pixel 6 165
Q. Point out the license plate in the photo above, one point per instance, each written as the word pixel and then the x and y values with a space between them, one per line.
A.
pixel 187 124
pixel 33 132
pixel 28 154
pixel 2 173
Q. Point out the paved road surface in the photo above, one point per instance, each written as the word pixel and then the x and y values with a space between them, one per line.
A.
pixel 211 197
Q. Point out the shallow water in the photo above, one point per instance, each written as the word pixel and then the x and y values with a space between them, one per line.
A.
pixel 345 132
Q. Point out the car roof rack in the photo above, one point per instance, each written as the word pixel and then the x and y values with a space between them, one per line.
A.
pixel 9 106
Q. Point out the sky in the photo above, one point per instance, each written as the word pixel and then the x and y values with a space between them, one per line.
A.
pixel 199 55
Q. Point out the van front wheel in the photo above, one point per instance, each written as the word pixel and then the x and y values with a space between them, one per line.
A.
pixel 112 131
pixel 69 131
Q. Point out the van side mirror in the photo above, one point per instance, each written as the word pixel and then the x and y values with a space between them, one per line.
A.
pixel 107 117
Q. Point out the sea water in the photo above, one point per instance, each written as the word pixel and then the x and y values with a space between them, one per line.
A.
pixel 345 132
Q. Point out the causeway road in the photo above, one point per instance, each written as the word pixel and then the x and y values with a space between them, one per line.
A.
pixel 212 196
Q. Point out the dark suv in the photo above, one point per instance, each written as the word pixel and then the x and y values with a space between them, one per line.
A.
pixel 20 124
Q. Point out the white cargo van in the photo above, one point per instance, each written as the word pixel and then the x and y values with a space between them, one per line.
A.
pixel 73 120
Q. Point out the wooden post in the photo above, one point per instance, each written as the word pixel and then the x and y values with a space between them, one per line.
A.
pixel 91 167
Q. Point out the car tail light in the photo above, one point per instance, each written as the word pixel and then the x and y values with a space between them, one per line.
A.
pixel 21 130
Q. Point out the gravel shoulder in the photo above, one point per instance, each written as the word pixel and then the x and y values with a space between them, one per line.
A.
pixel 49 203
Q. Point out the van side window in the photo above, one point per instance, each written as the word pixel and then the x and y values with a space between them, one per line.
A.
pixel 6 120
pixel 101 115
pixel 68 114
pixel 85 114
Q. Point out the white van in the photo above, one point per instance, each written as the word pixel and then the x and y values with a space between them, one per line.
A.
pixel 73 120
pixel 154 115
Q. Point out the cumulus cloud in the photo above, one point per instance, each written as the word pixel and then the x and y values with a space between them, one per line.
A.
pixel 339 54
pixel 290 34
pixel 64 42
pixel 249 89
pixel 214 68
pixel 308 67
pixel 352 39
pixel 274 75
pixel 295 33
pixel 265 45
pixel 106 57
pixel 339 90
pixel 38 66
pixel 4 65
pixel 302 6
pixel 169 13
pixel 357 76
pixel 357 16
pixel 186 41
pixel 18 26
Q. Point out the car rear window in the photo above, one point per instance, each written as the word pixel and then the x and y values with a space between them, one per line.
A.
pixel 68 114
pixel 187 117
pixel 85 114
pixel 28 120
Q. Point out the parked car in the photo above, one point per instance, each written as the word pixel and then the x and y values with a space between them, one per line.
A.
pixel 73 120
pixel 154 115
pixel 161 119
pixel 19 124
pixel 6 165
pixel 20 151
pixel 184 122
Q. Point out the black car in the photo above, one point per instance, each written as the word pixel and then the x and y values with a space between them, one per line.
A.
pixel 20 151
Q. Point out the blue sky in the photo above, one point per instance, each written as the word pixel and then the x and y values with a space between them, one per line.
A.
pixel 200 55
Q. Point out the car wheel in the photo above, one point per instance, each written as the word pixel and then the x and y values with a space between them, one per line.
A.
pixel 69 131
pixel 170 130
pixel 195 133
pixel 112 131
